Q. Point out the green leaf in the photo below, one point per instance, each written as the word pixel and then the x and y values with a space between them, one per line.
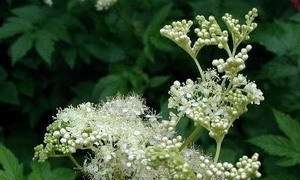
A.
pixel 274 145
pixel 14 26
pixel 26 87
pixel 12 169
pixel 21 46
pixel 278 68
pixel 57 27
pixel 158 81
pixel 70 56
pixel 108 52
pixel 206 7
pixel 109 86
pixel 45 45
pixel 295 17
pixel 8 93
pixel 289 161
pixel 152 32
pixel 31 13
pixel 3 74
pixel 280 176
pixel 42 171
pixel 287 148
pixel 290 127
pixel 279 37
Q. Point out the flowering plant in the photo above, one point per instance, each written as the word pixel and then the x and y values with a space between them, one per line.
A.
pixel 126 140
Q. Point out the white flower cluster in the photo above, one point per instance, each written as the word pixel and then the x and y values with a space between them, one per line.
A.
pixel 233 65
pixel 117 123
pixel 210 104
pixel 104 4
pixel 100 5
pixel 215 101
pixel 126 140
pixel 48 2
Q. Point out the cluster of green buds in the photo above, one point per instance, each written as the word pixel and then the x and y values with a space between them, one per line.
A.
pixel 241 32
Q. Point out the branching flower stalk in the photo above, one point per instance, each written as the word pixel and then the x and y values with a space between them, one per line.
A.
pixel 233 100
pixel 123 139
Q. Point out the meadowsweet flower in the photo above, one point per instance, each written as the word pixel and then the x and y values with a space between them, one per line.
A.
pixel 125 140
pixel 104 4
pixel 100 5
pixel 219 97
pixel 48 2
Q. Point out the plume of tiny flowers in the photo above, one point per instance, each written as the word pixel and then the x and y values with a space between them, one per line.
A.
pixel 125 140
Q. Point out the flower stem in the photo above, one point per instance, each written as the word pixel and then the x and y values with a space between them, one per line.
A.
pixel 199 68
pixel 217 155
pixel 74 161
pixel 191 138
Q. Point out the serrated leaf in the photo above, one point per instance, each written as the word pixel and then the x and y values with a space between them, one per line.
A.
pixel 14 26
pixel 20 47
pixel 279 37
pixel 289 161
pixel 31 13
pixel 58 29
pixel 43 171
pixel 8 93
pixel 45 45
pixel 12 169
pixel 274 145
pixel 290 127
pixel 287 148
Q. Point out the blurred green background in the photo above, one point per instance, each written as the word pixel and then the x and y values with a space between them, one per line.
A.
pixel 51 57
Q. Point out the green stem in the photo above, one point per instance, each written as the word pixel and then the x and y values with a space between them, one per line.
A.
pixel 226 47
pixel 217 155
pixel 191 138
pixel 199 68
pixel 75 162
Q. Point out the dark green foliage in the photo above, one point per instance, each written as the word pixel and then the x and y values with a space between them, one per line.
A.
pixel 287 147
pixel 70 53
pixel 13 169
